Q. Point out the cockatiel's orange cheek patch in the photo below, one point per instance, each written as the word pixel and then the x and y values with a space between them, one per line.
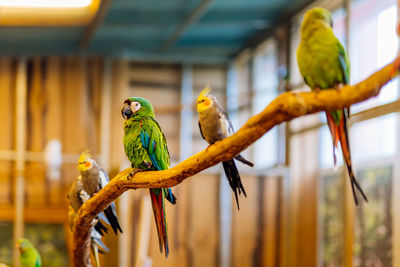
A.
pixel 87 164
pixel 207 102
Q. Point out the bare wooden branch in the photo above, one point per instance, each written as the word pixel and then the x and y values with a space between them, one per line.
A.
pixel 285 107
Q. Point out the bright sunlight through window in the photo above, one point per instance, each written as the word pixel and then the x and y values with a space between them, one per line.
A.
pixel 45 3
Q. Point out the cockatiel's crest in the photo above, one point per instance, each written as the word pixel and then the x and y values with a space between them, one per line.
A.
pixel 204 101
pixel 85 161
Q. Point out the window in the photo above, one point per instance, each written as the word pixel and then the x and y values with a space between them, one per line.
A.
pixel 265 87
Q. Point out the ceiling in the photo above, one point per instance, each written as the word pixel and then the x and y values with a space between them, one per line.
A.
pixel 175 30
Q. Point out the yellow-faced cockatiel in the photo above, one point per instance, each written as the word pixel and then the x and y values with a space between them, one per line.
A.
pixel 77 196
pixel 94 178
pixel 324 64
pixel 214 126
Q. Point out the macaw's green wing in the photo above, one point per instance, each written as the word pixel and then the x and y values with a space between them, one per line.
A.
pixel 344 64
pixel 154 142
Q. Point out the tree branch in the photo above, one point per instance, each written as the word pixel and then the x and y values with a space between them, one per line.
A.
pixel 285 107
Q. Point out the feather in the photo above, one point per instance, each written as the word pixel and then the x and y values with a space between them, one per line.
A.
pixel 232 174
pixel 339 132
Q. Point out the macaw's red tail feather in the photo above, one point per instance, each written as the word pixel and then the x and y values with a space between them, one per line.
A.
pixel 158 202
pixel 344 142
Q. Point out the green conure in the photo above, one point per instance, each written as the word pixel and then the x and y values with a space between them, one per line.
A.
pixel 324 64
pixel 29 256
pixel 146 148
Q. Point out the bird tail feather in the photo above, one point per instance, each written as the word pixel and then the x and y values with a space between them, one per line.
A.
pixel 340 132
pixel 244 161
pixel 232 174
pixel 157 196
pixel 111 216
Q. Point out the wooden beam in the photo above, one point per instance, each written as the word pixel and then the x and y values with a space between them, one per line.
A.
pixel 95 23
pixel 187 22
pixel 19 193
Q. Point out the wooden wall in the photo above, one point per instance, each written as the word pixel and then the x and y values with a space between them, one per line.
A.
pixel 194 222
pixel 65 103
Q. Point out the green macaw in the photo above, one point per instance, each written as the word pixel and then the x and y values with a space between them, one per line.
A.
pixel 146 148
pixel 324 64
pixel 29 257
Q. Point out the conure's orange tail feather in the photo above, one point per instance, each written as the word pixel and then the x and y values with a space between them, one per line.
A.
pixel 158 202
pixel 339 132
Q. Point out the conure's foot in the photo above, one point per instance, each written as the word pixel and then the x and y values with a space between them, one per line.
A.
pixel 210 145
pixel 396 66
pixel 133 172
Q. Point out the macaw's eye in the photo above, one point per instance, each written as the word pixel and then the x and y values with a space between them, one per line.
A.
pixel 135 106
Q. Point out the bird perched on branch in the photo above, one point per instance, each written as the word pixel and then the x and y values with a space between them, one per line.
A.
pixel 214 126
pixel 29 256
pixel 146 148
pixel 94 178
pixel 324 64
pixel 77 196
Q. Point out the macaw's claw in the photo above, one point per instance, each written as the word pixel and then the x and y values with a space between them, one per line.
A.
pixel 133 172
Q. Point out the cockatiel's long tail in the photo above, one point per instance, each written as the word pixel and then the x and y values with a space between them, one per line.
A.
pixel 157 196
pixel 234 180
pixel 97 246
pixel 111 216
pixel 339 133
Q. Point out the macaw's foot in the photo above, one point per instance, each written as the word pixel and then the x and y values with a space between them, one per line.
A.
pixel 133 172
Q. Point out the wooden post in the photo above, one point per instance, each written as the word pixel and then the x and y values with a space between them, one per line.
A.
pixel 21 88
pixel 105 115
pixel 225 194
pixel 143 240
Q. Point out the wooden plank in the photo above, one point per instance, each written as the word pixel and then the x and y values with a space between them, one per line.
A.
pixel 155 74
pixel 21 130
pixel 271 235
pixel 303 226
pixel 144 232
pixel 37 214
pixel 6 125
pixel 203 221
pixel 53 118
pixel 244 224
pixel 35 180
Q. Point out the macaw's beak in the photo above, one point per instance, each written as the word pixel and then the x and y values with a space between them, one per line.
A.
pixel 126 111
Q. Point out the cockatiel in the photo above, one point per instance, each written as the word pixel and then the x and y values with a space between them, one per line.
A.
pixel 77 196
pixel 146 148
pixel 324 64
pixel 29 256
pixel 214 126
pixel 94 178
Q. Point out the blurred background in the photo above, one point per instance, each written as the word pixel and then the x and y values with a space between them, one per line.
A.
pixel 66 67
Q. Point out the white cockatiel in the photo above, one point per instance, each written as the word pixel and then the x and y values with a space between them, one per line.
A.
pixel 214 126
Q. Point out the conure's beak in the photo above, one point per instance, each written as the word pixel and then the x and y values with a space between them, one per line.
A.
pixel 126 111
